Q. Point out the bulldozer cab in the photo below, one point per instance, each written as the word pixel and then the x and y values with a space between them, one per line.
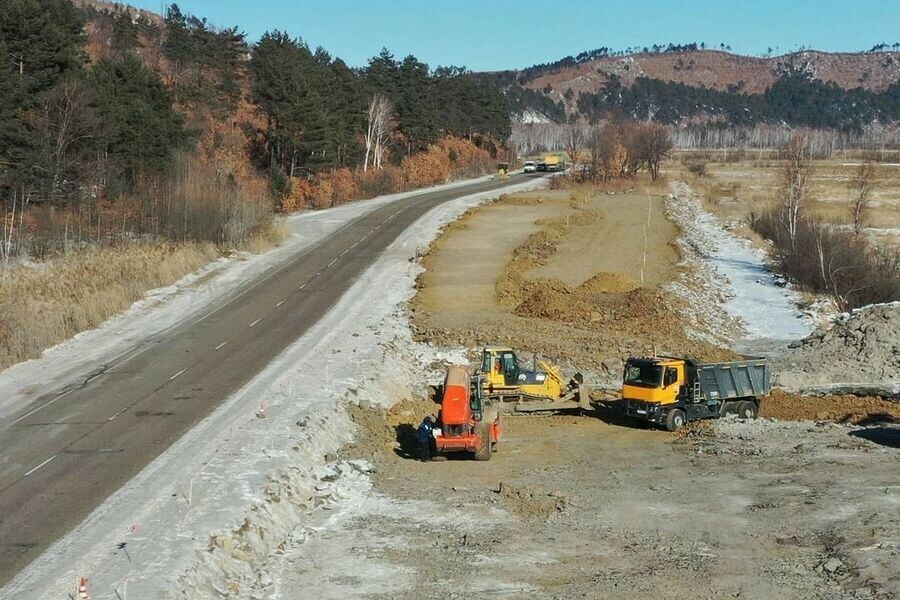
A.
pixel 500 366
pixel 502 170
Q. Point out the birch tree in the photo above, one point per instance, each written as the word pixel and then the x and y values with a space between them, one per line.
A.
pixel 795 184
pixel 862 187
pixel 378 130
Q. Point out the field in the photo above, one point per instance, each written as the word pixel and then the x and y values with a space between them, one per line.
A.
pixel 735 189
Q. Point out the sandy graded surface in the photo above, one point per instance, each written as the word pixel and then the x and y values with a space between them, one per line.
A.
pixel 589 325
pixel 614 242
pixel 459 286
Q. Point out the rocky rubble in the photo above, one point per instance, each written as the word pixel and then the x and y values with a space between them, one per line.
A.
pixel 859 353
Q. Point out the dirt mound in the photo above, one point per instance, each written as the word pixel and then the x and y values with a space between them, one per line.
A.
pixel 532 501
pixel 641 312
pixel 611 283
pixel 383 431
pixel 842 409
pixel 863 347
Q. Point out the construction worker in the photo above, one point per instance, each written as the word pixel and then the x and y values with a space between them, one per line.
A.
pixel 425 435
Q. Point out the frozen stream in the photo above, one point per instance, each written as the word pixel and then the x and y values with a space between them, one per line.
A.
pixel 748 291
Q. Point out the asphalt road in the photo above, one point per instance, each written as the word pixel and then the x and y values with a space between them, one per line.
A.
pixel 66 452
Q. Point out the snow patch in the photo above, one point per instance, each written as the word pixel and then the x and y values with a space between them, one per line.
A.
pixel 752 304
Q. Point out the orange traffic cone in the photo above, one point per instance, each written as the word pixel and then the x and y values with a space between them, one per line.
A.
pixel 82 589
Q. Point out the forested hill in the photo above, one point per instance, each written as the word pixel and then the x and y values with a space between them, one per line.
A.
pixel 99 99
pixel 675 84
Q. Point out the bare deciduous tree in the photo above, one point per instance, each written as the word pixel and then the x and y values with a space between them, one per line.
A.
pixel 795 184
pixel 64 121
pixel 575 139
pixel 378 130
pixel 862 186
pixel 656 144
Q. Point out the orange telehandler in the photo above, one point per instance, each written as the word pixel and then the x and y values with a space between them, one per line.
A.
pixel 468 421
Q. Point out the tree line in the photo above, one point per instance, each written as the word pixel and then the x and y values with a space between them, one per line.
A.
pixel 87 114
pixel 795 99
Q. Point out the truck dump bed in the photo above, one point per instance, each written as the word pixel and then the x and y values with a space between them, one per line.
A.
pixel 735 379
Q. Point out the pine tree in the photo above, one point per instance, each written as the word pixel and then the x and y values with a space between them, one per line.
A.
pixel 124 36
pixel 43 39
pixel 141 128
pixel 15 141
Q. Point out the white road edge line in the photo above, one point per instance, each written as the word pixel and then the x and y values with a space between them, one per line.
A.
pixel 172 378
pixel 255 322
pixel 40 465
pixel 41 407
pixel 219 347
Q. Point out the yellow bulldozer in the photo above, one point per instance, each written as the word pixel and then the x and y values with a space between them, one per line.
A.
pixel 541 388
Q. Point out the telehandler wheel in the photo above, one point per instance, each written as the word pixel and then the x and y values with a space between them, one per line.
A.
pixel 484 451
pixel 748 410
pixel 675 420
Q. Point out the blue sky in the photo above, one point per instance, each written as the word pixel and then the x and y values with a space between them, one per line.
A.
pixel 499 34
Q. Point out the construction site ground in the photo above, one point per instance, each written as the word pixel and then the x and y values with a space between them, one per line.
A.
pixel 802 503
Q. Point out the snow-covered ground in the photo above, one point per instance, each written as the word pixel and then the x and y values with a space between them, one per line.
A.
pixel 734 277
pixel 206 517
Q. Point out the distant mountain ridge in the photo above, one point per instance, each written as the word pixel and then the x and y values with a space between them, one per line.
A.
pixel 692 83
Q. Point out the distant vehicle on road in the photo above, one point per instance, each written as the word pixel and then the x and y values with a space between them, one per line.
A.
pixel 552 163
pixel 530 166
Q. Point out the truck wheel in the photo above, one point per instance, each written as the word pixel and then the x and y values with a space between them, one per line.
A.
pixel 675 420
pixel 484 450
pixel 748 410
pixel 731 408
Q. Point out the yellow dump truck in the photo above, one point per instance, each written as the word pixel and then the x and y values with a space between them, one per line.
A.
pixel 551 162
pixel 670 392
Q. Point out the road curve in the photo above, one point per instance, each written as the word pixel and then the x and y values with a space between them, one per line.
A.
pixel 66 452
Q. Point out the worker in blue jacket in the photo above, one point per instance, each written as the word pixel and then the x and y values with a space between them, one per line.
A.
pixel 425 436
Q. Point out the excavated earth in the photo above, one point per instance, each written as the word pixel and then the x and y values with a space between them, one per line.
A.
pixel 861 350
pixel 799 504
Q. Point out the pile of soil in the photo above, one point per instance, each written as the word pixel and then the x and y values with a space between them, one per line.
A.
pixel 862 347
pixel 384 432
pixel 842 409
pixel 610 283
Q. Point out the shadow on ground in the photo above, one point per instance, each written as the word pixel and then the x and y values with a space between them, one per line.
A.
pixel 885 436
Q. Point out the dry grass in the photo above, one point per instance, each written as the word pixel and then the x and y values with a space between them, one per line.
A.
pixel 46 303
pixel 734 190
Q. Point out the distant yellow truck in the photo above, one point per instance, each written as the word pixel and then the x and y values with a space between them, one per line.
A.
pixel 552 162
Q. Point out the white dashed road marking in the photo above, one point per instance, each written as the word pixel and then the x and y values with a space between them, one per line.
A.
pixel 220 346
pixel 172 378
pixel 279 304
pixel 255 322
pixel 40 465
